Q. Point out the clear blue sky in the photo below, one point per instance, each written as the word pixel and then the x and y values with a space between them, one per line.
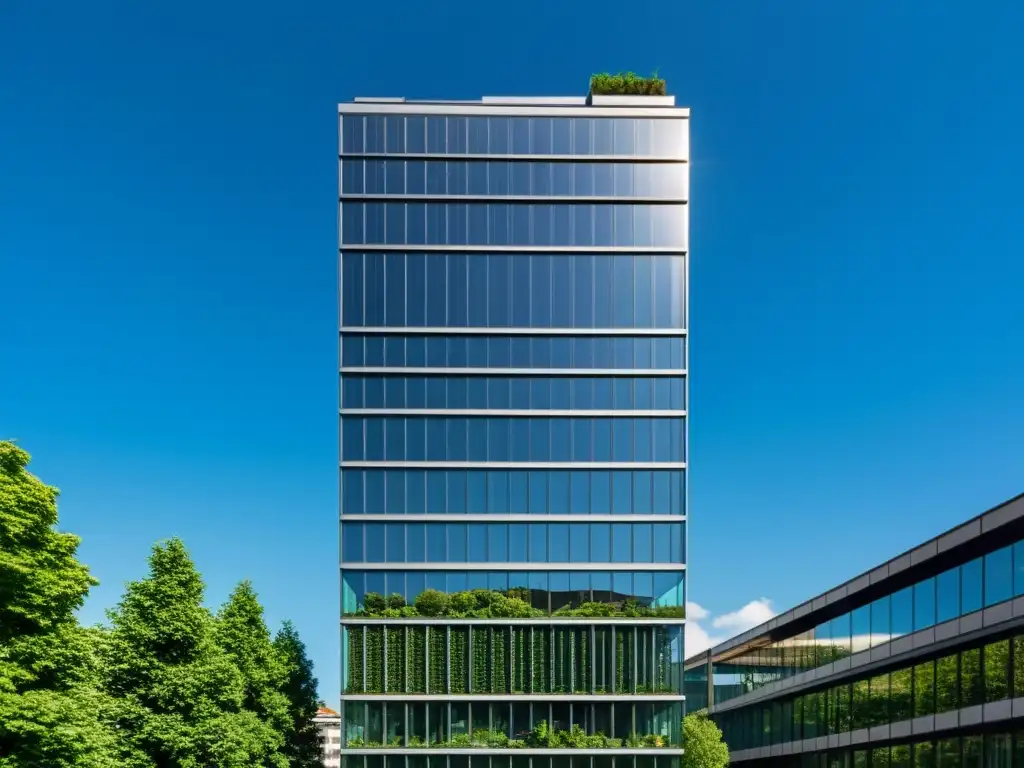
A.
pixel 168 267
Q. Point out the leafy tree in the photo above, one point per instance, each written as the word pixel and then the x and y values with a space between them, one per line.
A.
pixel 302 740
pixel 702 743
pixel 180 696
pixel 243 634
pixel 50 712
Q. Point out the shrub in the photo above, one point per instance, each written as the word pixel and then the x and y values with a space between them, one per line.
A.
pixel 510 608
pixel 461 602
pixel 575 738
pixel 374 602
pixel 484 597
pixel 396 601
pixel 627 83
pixel 431 602
pixel 540 736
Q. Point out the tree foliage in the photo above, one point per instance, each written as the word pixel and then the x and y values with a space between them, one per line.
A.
pixel 51 712
pixel 302 743
pixel 703 746
pixel 166 685
pixel 243 635
pixel 184 694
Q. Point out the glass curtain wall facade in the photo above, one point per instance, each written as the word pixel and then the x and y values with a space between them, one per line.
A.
pixel 513 433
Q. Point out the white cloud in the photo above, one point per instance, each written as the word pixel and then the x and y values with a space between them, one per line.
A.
pixel 750 615
pixel 696 612
pixel 699 639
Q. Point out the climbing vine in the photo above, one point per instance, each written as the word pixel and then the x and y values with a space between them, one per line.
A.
pixel 438 643
pixel 355 660
pixel 560 679
pixel 540 658
pixel 519 659
pixel 480 657
pixel 581 670
pixel 499 659
pixel 396 659
pixel 620 663
pixel 374 659
pixel 459 644
pixel 664 676
pixel 417 659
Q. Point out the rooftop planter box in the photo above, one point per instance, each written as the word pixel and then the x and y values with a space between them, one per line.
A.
pixel 628 90
pixel 495 604
pixel 626 84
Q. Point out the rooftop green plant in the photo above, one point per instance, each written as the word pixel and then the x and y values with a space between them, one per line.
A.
pixel 626 84
pixel 495 604
pixel 541 737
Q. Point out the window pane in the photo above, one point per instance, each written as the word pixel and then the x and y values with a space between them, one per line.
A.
pixel 970 586
pixel 946 689
pixel 924 689
pixel 998 576
pixel 948 597
pixel 996 661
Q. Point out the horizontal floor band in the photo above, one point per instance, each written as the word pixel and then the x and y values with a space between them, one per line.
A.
pixel 357 197
pixel 501 567
pixel 668 751
pixel 581 159
pixel 619 372
pixel 436 330
pixel 539 465
pixel 540 621
pixel 549 249
pixel 540 697
pixel 480 517
pixel 513 412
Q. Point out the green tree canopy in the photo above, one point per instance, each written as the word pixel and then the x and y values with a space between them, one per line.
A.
pixel 51 712
pixel 181 697
pixel 302 743
pixel 243 635
pixel 41 583
pixel 703 746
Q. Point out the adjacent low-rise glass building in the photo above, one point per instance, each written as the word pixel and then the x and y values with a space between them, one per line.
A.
pixel 918 662
pixel 513 431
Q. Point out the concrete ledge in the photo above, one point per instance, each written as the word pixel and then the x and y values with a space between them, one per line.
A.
pixel 901 730
pixel 923 724
pixel 632 101
pixel 507 751
pixel 972 622
pixel 878 733
pixel 997 614
pixel 997 710
pixel 970 716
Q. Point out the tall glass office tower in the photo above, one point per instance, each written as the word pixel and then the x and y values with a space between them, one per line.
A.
pixel 513 431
